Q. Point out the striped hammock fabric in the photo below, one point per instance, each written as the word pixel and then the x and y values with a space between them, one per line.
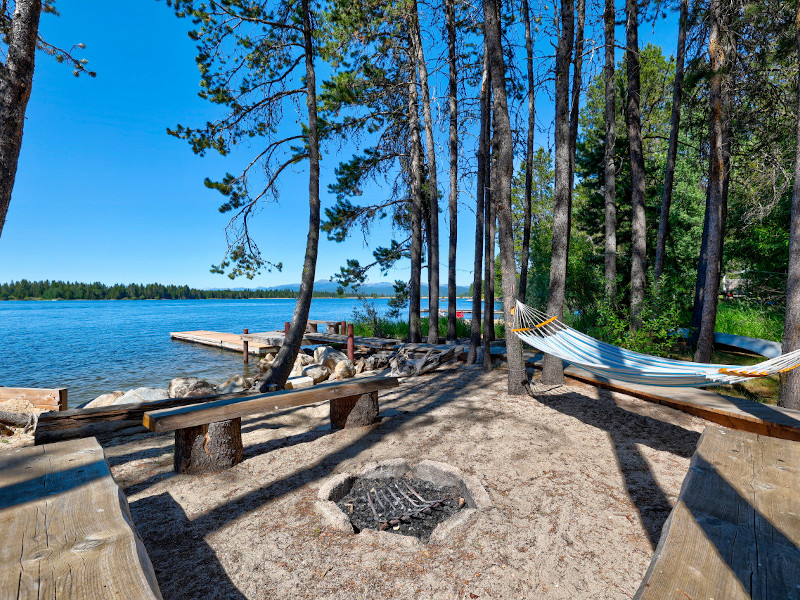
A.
pixel 551 336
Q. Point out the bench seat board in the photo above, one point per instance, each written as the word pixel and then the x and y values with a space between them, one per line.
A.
pixel 66 529
pixel 222 410
pixel 735 529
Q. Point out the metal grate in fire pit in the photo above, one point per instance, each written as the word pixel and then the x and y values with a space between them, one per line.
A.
pixel 400 505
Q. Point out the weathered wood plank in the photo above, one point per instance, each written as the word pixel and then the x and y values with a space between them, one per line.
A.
pixel 89 422
pixel 227 341
pixel 44 398
pixel 66 529
pixel 735 530
pixel 170 419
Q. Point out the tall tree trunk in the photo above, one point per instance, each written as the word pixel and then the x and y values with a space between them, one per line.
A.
pixel 700 282
pixel 526 226
pixel 553 368
pixel 450 18
pixel 634 123
pixel 16 80
pixel 790 381
pixel 433 192
pixel 477 274
pixel 672 149
pixel 488 244
pixel 414 292
pixel 577 80
pixel 716 202
pixel 504 172
pixel 281 367
pixel 610 189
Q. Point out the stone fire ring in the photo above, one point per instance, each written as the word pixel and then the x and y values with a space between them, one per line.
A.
pixel 437 473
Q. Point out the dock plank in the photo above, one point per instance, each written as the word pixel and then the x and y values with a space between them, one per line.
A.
pixel 228 341
pixel 65 527
pixel 734 532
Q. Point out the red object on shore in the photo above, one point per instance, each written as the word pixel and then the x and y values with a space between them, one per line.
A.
pixel 459 314
pixel 350 343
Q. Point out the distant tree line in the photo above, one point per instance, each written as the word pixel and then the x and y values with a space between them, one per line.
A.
pixel 66 290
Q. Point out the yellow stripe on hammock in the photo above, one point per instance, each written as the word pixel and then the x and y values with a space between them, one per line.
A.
pixel 522 329
pixel 543 323
pixel 742 373
pixel 789 368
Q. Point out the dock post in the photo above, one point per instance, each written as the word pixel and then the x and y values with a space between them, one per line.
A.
pixel 343 326
pixel 245 347
pixel 286 325
pixel 350 343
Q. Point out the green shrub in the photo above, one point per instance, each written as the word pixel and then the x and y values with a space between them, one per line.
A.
pixel 751 319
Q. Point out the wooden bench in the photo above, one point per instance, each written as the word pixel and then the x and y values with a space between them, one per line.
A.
pixel 735 529
pixel 208 436
pixel 65 527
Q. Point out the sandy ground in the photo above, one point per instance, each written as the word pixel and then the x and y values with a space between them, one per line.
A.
pixel 581 482
pixel 20 437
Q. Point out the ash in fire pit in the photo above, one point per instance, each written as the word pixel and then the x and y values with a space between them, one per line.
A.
pixel 426 502
pixel 402 505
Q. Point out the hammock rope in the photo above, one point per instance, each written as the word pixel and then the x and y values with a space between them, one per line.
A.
pixel 549 335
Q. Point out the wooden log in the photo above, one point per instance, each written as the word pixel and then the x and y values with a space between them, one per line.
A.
pixel 124 418
pixel 208 448
pixel 350 344
pixel 354 411
pixel 26 420
pixel 223 409
pixel 246 348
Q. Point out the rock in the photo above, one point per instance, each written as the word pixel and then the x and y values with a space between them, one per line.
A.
pixel 295 383
pixel 304 359
pixel 360 364
pixel 236 383
pixel 343 370
pixel 104 400
pixel 190 387
pixel 317 372
pixel 142 394
pixel 328 357
pixel 265 363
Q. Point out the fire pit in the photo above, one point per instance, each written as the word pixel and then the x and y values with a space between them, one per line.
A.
pixel 428 501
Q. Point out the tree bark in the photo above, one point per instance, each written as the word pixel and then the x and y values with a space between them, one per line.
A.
pixel 553 368
pixel 281 367
pixel 433 191
pixel 577 80
pixel 634 123
pixel 488 243
pixel 672 149
pixel 414 292
pixel 790 381
pixel 16 80
pixel 450 18
pixel 208 448
pixel 526 226
pixel 716 200
pixel 504 173
pixel 477 268
pixel 610 188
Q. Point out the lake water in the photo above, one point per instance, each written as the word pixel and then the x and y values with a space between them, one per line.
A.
pixel 94 347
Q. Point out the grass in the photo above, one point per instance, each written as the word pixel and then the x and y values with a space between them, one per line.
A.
pixel 750 319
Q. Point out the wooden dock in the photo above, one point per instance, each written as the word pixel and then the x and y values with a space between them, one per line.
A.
pixel 228 341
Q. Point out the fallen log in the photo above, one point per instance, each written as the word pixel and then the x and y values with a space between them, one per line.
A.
pixel 25 420
pixel 403 365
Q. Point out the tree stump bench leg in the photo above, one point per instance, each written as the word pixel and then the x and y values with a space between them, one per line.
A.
pixel 208 448
pixel 354 411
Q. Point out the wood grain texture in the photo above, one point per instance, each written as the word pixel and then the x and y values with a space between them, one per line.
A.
pixel 47 399
pixel 221 410
pixel 88 422
pixel 228 341
pixel 354 411
pixel 735 529
pixel 66 529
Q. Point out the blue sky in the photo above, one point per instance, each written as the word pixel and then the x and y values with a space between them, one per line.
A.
pixel 103 194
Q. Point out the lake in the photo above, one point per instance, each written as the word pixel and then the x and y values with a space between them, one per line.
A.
pixel 96 346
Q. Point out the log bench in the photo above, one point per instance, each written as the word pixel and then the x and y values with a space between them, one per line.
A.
pixel 208 436
pixel 735 529
pixel 65 527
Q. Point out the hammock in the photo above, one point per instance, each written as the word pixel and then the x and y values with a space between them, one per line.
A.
pixel 551 336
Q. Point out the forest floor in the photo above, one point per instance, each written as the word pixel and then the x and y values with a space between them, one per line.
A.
pixel 581 482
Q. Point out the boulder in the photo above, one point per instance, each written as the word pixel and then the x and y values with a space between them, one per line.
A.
pixel 295 383
pixel 190 387
pixel 142 394
pixel 304 359
pixel 343 370
pixel 317 372
pixel 265 363
pixel 104 400
pixel 360 364
pixel 328 357
pixel 236 383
